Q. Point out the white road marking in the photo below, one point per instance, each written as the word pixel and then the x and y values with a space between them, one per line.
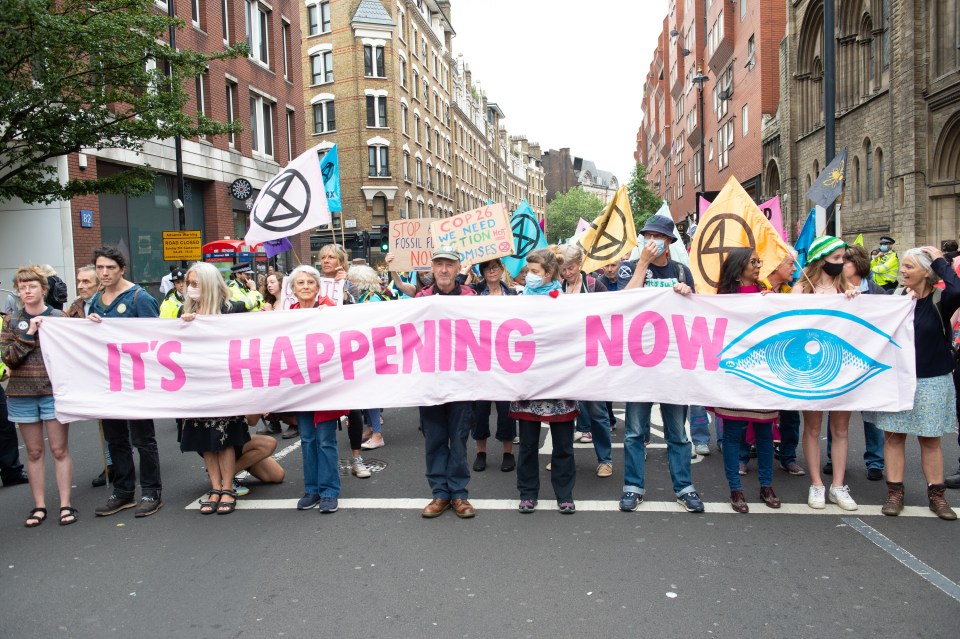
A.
pixel 587 505
pixel 905 557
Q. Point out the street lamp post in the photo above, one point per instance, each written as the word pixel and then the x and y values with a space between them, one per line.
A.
pixel 698 80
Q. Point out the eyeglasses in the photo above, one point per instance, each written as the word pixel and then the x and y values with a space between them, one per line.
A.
pixel 756 262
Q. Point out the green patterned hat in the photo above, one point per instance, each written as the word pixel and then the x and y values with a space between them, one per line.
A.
pixel 823 246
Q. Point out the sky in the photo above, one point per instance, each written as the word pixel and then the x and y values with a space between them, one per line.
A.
pixel 566 73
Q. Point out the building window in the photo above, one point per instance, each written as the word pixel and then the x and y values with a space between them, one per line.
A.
pixel 406 207
pixel 257 31
pixel 318 18
pixel 745 119
pixel 377 111
pixel 751 53
pixel 426 94
pixel 856 180
pixel 261 125
pixel 880 173
pixel 743 10
pixel 373 61
pixel 416 85
pixel 420 209
pixel 868 149
pixel 426 135
pixel 321 67
pixel 402 25
pixel 291 132
pixel 225 20
pixel 324 117
pixel 201 90
pixel 724 143
pixel 419 172
pixel 195 9
pixel 403 119
pixel 416 128
pixel 406 165
pixel 285 33
pixel 231 112
pixel 378 161
pixel 403 72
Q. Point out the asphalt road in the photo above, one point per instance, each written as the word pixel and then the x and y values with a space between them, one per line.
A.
pixel 376 568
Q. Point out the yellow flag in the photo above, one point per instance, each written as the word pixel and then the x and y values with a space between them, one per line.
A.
pixel 733 221
pixel 859 240
pixel 610 235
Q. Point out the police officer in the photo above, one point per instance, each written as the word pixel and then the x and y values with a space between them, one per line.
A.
pixel 243 286
pixel 886 265
pixel 170 306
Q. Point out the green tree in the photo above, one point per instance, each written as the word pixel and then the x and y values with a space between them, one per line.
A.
pixel 644 202
pixel 78 74
pixel 565 211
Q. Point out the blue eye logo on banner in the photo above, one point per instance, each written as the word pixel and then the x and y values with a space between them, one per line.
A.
pixel 330 168
pixel 807 363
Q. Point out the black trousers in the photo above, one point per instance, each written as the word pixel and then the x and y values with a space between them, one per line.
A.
pixel 563 474
pixel 10 466
pixel 120 433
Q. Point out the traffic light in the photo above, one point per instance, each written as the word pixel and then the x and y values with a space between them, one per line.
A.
pixel 385 238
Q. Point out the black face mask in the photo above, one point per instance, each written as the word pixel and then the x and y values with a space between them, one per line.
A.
pixel 832 269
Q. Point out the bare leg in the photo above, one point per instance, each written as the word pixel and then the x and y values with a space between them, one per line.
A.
pixel 893 456
pixel 227 460
pixel 812 421
pixel 839 426
pixel 507 447
pixel 57 434
pixel 33 439
pixel 482 445
pixel 213 470
pixel 931 459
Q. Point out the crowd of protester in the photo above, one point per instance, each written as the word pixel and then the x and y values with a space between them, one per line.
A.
pixel 926 274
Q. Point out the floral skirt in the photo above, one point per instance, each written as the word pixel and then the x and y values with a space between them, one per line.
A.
pixel 213 434
pixel 933 414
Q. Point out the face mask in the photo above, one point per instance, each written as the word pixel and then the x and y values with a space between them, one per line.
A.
pixel 534 281
pixel 884 247
pixel 427 279
pixel 660 247
pixel 193 293
pixel 832 269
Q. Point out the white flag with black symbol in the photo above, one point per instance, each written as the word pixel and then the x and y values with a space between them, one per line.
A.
pixel 292 202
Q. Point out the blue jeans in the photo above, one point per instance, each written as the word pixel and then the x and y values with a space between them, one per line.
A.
pixel 506 425
pixel 733 432
pixel 872 444
pixel 700 425
pixel 789 436
pixel 321 466
pixel 678 446
pixel 445 431
pixel 373 416
pixel 596 420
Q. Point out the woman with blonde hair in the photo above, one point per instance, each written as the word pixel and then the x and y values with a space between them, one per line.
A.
pixel 824 276
pixel 30 395
pixel 217 439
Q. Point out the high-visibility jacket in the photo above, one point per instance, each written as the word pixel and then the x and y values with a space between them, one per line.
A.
pixel 884 268
pixel 170 307
pixel 251 298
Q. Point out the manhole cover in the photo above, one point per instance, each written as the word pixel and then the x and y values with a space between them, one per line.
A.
pixel 374 465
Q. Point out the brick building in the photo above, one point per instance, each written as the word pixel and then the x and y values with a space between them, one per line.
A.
pixel 565 172
pixel 264 91
pixel 897 112
pixel 735 45
pixel 415 136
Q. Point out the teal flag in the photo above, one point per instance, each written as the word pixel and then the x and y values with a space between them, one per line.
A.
pixel 330 168
pixel 807 235
pixel 527 237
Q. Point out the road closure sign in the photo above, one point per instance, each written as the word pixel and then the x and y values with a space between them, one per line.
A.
pixel 479 235
pixel 182 246
pixel 411 244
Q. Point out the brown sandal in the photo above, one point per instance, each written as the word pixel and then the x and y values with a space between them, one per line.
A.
pixel 33 515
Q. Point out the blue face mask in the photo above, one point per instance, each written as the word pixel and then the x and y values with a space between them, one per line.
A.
pixel 660 246
pixel 884 247
pixel 533 281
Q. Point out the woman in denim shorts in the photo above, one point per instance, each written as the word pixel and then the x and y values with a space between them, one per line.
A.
pixel 30 395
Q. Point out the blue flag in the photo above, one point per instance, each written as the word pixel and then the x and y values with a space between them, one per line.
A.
pixel 330 168
pixel 807 235
pixel 527 238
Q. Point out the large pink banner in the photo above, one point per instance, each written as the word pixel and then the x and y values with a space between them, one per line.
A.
pixel 738 351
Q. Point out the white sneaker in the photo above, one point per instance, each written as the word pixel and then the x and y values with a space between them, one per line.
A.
pixel 816 498
pixel 358 468
pixel 702 449
pixel 840 495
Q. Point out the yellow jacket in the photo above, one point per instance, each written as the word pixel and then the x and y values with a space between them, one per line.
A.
pixel 170 307
pixel 251 298
pixel 884 268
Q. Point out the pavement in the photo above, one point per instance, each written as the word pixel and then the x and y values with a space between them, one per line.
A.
pixel 377 568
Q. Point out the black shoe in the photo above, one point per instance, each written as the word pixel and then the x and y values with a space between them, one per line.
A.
pixel 270 427
pixel 509 463
pixel 291 432
pixel 148 506
pixel 753 452
pixel 953 481
pixel 16 479
pixel 828 468
pixel 480 463
pixel 114 505
pixel 102 479
pixel 874 474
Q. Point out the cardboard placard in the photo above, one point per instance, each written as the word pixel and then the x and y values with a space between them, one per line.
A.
pixel 479 235
pixel 411 244
pixel 334 289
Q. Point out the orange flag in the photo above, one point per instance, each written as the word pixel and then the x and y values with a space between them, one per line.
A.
pixel 733 221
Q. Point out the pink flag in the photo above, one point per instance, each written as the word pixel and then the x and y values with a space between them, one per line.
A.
pixel 771 210
pixel 582 226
